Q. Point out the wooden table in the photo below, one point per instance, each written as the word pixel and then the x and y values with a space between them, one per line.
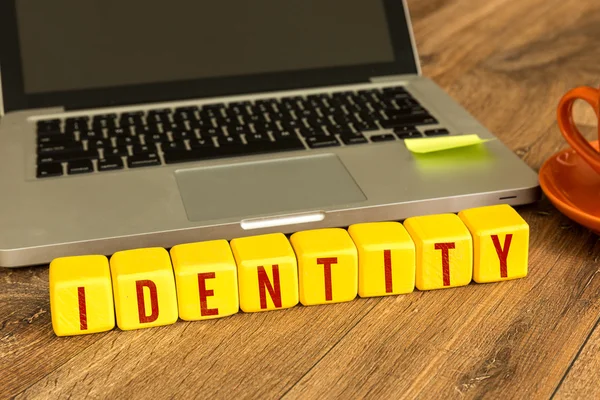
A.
pixel 508 62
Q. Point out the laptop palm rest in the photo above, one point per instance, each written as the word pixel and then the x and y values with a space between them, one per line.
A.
pixel 262 188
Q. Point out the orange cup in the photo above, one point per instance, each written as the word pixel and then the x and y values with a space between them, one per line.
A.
pixel 569 129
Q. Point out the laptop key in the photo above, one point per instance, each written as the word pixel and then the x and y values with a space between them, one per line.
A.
pixel 236 129
pixel 348 131
pixel 366 126
pixel 258 118
pixel 127 140
pixel 67 156
pixel 311 131
pixel 398 95
pixel 317 142
pixel 155 138
pixel 419 111
pixel 174 156
pixel 408 120
pixel 116 151
pixel 201 143
pixel 160 111
pixel 436 132
pixel 408 134
pixel 149 129
pixel 53 148
pixel 405 104
pixel 260 127
pixel 110 163
pixel 104 117
pixel 77 123
pixel 267 146
pixel 240 105
pixel 76 126
pixel 202 123
pixel 288 122
pixel 131 119
pixel 353 138
pixel 80 167
pixel 180 116
pixel 214 107
pixel 99 143
pixel 116 132
pixel 107 121
pixel 257 138
pixel 289 103
pixel 143 148
pixel 55 139
pixel 157 118
pixel 341 119
pixel 208 114
pixel 228 141
pixel 143 160
pixel 48 131
pixel 173 126
pixel 211 131
pixel 394 90
pixel 130 114
pixel 91 134
pixel 182 135
pixel 317 121
pixel 48 123
pixel 186 109
pixel 382 138
pixel 284 135
pixel 405 128
pixel 49 170
pixel 49 126
pixel 173 146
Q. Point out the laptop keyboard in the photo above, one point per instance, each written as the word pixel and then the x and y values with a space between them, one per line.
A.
pixel 109 142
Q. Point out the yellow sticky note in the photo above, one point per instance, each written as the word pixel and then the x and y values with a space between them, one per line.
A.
pixel 386 258
pixel 206 278
pixel 144 288
pixel 267 272
pixel 444 251
pixel 500 241
pixel 327 266
pixel 81 298
pixel 440 143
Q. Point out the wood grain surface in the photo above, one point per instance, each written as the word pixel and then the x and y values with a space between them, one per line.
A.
pixel 508 62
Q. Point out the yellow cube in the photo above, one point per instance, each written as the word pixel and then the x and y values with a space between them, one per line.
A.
pixel 444 251
pixel 327 264
pixel 206 280
pixel 386 258
pixel 501 242
pixel 267 272
pixel 81 298
pixel 144 288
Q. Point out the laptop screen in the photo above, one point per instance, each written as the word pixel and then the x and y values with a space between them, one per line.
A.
pixel 96 53
pixel 74 44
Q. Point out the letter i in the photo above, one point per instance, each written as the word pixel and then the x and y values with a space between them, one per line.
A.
pixel 82 308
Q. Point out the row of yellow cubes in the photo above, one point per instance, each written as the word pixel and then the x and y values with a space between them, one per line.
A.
pixel 146 287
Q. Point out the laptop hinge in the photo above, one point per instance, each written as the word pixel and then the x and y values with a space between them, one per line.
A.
pixel 1 98
pixel 392 78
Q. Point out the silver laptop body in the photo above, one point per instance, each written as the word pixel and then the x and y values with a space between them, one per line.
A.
pixel 294 52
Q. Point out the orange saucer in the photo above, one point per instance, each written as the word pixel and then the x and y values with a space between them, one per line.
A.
pixel 573 187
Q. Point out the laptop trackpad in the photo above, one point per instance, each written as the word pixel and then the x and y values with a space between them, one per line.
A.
pixel 261 188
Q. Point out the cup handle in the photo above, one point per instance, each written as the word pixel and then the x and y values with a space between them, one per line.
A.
pixel 569 129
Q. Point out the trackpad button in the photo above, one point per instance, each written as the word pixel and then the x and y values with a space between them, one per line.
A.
pixel 262 188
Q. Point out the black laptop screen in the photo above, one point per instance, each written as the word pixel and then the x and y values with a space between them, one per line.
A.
pixel 73 44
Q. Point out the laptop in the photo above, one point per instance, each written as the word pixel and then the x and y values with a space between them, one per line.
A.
pixel 142 123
